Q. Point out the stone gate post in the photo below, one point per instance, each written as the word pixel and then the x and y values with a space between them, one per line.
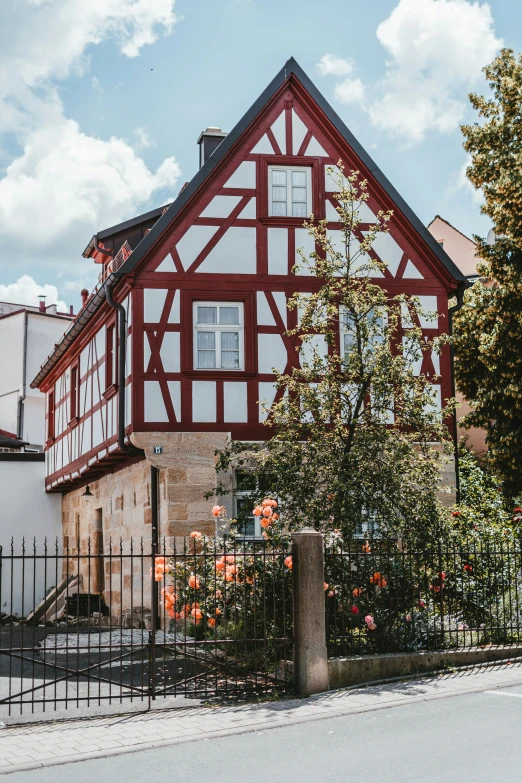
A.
pixel 310 655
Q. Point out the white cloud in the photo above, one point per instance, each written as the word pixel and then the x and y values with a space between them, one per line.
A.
pixel 142 139
pixel 26 292
pixel 67 184
pixel 437 49
pixel 349 91
pixel 330 65
pixel 66 181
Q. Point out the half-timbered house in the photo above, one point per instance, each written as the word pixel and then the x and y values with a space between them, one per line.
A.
pixel 176 346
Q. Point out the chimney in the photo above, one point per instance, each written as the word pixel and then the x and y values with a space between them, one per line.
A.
pixel 209 140
pixel 71 310
pixel 85 295
pixel 41 297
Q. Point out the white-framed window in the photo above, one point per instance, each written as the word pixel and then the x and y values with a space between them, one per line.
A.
pixel 218 336
pixel 367 527
pixel 248 489
pixel 290 191
pixel 348 334
pixel 245 488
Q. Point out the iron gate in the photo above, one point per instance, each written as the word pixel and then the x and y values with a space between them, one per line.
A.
pixel 88 627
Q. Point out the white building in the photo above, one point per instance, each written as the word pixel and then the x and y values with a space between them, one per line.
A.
pixel 27 336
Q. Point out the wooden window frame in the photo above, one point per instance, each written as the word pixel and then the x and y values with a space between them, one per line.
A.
pixel 51 411
pixel 217 328
pixel 317 188
pixel 74 394
pixel 111 350
pixel 188 297
pixel 289 170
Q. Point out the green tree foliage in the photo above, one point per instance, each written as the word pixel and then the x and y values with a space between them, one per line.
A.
pixel 483 512
pixel 353 432
pixel 488 328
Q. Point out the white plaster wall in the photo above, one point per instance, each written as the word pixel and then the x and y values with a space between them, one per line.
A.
pixel 11 362
pixel 43 331
pixel 27 511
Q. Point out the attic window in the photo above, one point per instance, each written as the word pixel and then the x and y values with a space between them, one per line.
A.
pixel 290 191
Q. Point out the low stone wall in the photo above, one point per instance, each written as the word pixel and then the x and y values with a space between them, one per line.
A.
pixel 360 669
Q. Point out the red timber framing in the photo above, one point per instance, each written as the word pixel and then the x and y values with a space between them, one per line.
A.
pixel 218 243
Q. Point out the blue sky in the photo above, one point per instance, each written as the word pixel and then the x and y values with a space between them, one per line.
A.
pixel 100 115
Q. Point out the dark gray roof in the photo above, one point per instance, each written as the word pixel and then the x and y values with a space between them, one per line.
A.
pixel 290 67
pixel 135 221
pixel 8 441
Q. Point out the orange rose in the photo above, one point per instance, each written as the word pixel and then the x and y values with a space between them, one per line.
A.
pixel 257 511
pixel 288 562
pixel 211 621
pixel 194 582
pixel 378 580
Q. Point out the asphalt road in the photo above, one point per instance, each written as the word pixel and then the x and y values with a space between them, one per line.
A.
pixel 474 738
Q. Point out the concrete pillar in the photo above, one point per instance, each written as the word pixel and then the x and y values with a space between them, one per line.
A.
pixel 310 654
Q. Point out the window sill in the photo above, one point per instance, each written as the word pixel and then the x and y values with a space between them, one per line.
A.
pixel 283 221
pixel 220 375
pixel 73 422
pixel 110 392
pixel 49 442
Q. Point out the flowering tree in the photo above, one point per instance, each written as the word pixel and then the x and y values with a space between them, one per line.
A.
pixel 351 439
pixel 488 328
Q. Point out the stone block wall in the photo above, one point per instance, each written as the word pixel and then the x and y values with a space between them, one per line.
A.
pixel 120 511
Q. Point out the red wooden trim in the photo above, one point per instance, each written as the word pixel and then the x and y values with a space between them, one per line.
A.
pixel 402 266
pixel 305 142
pixel 288 126
pixel 291 251
pixel 240 222
pixel 219 233
pixel 160 376
pixel 273 141
pixel 110 392
pixel 235 192
pixel 250 283
pixel 293 358
pixel 177 260
pixel 220 402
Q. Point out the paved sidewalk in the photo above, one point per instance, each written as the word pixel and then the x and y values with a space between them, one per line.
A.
pixel 38 745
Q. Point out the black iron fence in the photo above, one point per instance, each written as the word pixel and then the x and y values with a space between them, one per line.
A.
pixel 102 623
pixel 106 623
pixel 382 597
